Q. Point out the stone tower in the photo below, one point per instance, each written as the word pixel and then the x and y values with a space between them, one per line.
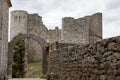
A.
pixel 95 24
pixel 18 23
pixel 83 30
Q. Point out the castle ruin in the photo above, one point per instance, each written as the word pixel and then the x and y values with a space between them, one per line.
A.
pixel 75 52
pixel 80 31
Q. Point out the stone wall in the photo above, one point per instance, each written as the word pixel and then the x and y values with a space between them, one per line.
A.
pixel 75 30
pixel 4 15
pixel 95 61
pixel 82 30
pixel 37 28
pixel 54 35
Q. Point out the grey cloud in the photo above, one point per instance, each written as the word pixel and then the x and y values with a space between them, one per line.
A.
pixel 113 4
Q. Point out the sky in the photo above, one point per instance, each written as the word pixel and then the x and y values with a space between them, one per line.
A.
pixel 52 11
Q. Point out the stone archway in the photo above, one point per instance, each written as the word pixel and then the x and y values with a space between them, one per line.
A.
pixel 42 43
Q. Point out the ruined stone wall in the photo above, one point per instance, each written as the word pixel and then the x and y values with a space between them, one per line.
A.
pixel 94 61
pixel 36 27
pixel 4 15
pixel 54 35
pixel 34 49
pixel 82 30
pixel 75 30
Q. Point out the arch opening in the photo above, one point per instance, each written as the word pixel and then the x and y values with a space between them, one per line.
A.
pixel 39 40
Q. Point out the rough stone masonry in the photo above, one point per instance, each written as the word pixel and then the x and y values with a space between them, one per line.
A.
pixel 95 61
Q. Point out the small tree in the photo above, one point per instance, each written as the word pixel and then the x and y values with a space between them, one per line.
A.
pixel 19 59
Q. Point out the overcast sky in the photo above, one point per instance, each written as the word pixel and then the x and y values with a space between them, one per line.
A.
pixel 53 11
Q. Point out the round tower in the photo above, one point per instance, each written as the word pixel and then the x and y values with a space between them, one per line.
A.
pixel 18 23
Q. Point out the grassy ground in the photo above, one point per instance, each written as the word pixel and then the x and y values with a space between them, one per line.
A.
pixel 34 70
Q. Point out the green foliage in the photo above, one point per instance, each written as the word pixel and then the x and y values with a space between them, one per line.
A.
pixel 48 77
pixel 18 59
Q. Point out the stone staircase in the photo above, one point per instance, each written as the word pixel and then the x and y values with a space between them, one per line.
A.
pixel 26 79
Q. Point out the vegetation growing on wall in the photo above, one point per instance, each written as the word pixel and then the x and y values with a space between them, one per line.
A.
pixel 18 59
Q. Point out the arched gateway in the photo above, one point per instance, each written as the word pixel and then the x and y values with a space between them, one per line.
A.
pixel 42 43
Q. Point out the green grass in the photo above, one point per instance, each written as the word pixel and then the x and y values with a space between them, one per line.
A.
pixel 34 70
